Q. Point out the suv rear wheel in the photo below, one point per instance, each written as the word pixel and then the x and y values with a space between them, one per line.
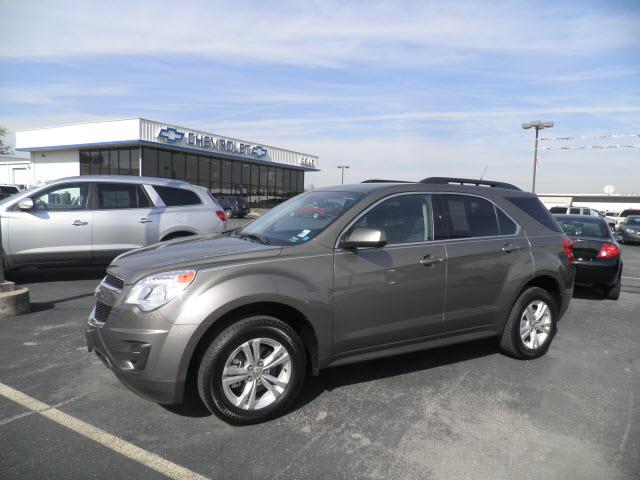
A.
pixel 531 325
pixel 252 371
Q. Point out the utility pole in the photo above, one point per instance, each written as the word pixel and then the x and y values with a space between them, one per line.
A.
pixel 342 167
pixel 538 125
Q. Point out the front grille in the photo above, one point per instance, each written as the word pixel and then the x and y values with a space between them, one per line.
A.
pixel 102 312
pixel 113 281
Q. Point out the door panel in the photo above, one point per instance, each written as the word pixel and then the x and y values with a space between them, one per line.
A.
pixel 395 293
pixel 58 229
pixel 480 275
pixel 487 258
pixel 124 219
pixel 385 295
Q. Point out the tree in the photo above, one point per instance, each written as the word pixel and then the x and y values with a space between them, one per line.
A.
pixel 4 148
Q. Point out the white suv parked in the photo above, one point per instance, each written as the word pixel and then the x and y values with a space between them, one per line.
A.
pixel 92 219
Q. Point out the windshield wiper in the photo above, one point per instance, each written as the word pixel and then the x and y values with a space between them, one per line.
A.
pixel 254 236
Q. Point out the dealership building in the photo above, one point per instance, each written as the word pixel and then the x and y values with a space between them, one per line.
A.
pixel 265 174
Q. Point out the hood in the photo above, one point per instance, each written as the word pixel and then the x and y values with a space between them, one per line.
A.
pixel 193 252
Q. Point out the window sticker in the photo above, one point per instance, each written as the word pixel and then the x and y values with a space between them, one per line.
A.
pixel 304 233
pixel 294 239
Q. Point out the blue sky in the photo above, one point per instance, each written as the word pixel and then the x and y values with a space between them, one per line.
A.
pixel 394 89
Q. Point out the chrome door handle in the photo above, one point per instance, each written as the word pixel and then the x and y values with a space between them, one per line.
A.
pixel 79 223
pixel 430 261
pixel 508 248
pixel 144 220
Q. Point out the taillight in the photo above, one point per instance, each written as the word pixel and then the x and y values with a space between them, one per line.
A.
pixel 221 215
pixel 608 250
pixel 567 245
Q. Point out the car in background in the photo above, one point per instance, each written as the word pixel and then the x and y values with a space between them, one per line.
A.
pixel 620 220
pixel 92 219
pixel 8 190
pixel 597 255
pixel 575 211
pixel 234 206
pixel 630 232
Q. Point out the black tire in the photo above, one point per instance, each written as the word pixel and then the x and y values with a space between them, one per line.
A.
pixel 511 343
pixel 612 292
pixel 211 368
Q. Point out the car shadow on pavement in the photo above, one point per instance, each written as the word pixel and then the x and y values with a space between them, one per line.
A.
pixel 336 377
pixel 42 306
pixel 56 274
pixel 588 293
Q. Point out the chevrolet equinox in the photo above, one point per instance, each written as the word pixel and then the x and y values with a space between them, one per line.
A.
pixel 388 268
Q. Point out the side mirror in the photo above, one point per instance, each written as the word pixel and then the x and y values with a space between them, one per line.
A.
pixel 364 237
pixel 25 204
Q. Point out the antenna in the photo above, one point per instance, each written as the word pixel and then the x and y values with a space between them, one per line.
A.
pixel 484 171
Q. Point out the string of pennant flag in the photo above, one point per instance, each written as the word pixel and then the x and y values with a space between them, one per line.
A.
pixel 587 137
pixel 591 147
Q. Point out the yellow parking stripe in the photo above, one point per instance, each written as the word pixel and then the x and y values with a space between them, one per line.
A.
pixel 148 459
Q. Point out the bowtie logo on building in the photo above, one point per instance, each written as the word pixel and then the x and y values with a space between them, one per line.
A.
pixel 258 151
pixel 171 135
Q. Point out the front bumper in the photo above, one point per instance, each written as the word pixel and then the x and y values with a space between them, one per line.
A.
pixel 143 359
pixel 630 237
pixel 604 272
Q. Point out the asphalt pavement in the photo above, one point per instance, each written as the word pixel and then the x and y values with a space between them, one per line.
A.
pixel 458 412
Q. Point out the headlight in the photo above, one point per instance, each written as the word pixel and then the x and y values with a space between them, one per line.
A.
pixel 628 230
pixel 156 290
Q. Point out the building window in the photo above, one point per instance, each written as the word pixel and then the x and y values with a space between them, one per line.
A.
pixel 178 168
pixel 192 169
pixel 149 162
pixel 215 176
pixel 203 172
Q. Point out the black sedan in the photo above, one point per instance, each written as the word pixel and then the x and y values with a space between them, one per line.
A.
pixel 630 230
pixel 596 252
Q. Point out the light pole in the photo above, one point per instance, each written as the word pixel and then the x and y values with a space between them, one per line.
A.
pixel 538 125
pixel 342 167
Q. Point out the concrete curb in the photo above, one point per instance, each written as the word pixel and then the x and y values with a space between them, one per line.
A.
pixel 14 302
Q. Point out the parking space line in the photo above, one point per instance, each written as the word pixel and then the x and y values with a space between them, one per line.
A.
pixel 630 278
pixel 116 444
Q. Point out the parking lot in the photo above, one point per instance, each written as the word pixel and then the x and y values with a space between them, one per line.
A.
pixel 458 412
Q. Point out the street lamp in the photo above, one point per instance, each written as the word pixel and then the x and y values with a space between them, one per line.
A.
pixel 538 125
pixel 342 167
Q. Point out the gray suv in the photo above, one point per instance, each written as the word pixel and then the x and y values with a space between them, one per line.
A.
pixel 92 219
pixel 391 267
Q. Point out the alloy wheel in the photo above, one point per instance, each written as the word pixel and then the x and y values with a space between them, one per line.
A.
pixel 535 324
pixel 256 374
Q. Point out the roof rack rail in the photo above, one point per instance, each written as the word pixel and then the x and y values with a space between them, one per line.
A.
pixel 469 181
pixel 379 180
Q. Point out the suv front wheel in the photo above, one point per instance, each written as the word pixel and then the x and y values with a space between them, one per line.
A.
pixel 252 371
pixel 531 325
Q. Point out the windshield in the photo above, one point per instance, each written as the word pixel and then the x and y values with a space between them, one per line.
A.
pixel 635 221
pixel 589 227
pixel 301 218
pixel 626 213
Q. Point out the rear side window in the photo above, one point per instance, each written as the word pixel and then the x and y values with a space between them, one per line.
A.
pixel 177 197
pixel 467 216
pixel 505 224
pixel 121 195
pixel 535 209
pixel 574 211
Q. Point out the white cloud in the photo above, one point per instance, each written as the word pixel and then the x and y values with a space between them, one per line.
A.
pixel 330 34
